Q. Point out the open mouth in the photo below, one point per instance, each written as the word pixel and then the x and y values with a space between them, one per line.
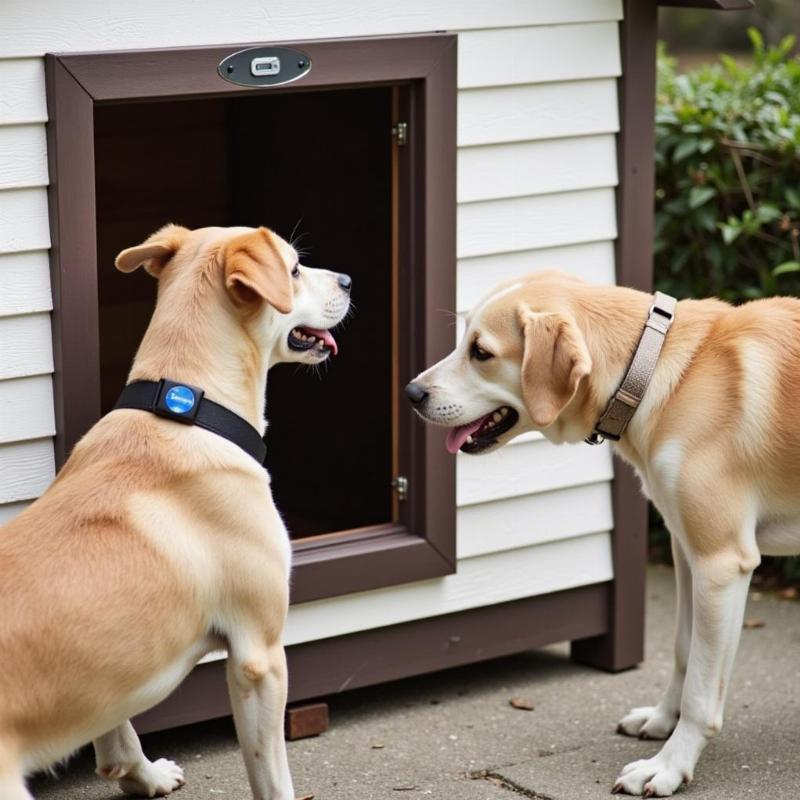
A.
pixel 482 433
pixel 318 340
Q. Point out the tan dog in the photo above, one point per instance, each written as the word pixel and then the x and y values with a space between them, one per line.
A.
pixel 159 542
pixel 716 442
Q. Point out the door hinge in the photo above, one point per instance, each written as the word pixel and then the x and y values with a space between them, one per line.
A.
pixel 400 485
pixel 400 133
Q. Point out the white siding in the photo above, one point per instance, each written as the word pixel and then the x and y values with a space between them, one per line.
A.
pixel 493 172
pixel 495 578
pixel 26 409
pixel 528 223
pixel 593 261
pixel 100 25
pixel 25 346
pixel 23 156
pixel 22 95
pixel 537 111
pixel 24 283
pixel 537 55
pixel 537 169
pixel 26 469
pixel 24 224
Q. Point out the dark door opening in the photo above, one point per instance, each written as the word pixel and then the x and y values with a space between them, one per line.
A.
pixel 314 164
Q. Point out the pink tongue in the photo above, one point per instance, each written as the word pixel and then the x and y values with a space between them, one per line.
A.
pixel 326 337
pixel 457 436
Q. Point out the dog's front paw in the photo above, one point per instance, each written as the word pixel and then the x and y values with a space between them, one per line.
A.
pixel 651 777
pixel 153 779
pixel 648 722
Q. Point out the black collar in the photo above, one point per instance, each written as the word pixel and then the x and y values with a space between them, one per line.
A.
pixel 185 403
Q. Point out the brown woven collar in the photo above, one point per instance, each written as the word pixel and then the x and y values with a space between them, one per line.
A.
pixel 626 399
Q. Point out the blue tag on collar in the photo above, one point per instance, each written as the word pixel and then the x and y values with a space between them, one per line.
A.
pixel 178 401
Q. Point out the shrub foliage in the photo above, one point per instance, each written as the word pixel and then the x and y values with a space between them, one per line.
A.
pixel 728 176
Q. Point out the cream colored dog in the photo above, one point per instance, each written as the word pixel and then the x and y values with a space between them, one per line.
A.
pixel 716 442
pixel 159 542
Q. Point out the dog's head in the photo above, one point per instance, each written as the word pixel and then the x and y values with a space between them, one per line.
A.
pixel 519 365
pixel 288 309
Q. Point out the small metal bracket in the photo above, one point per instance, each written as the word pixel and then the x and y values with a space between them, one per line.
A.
pixel 400 485
pixel 400 133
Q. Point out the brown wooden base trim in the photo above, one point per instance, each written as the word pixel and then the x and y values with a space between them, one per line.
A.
pixel 307 719
pixel 328 666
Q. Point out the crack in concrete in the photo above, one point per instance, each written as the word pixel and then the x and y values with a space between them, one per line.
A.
pixel 500 780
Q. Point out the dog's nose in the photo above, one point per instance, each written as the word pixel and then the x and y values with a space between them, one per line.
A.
pixel 416 393
pixel 345 281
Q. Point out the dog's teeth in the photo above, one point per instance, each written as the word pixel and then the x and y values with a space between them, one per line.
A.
pixel 497 416
pixel 469 440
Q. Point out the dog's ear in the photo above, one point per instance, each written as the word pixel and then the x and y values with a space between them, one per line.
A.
pixel 155 252
pixel 554 361
pixel 255 272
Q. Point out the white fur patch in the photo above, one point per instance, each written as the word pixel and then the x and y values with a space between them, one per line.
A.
pixel 664 472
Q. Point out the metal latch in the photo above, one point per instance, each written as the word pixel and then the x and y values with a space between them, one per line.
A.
pixel 400 485
pixel 400 133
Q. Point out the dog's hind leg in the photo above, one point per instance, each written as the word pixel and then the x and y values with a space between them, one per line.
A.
pixel 722 554
pixel 12 787
pixel 12 780
pixel 257 682
pixel 120 758
pixel 658 722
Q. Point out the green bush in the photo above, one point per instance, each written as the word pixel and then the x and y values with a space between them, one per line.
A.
pixel 728 176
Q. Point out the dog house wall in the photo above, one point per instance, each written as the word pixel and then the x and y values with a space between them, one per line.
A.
pixel 548 124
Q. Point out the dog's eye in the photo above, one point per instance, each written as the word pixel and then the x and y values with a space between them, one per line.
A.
pixel 296 271
pixel 477 352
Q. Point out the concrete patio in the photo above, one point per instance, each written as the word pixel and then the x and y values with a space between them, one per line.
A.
pixel 454 735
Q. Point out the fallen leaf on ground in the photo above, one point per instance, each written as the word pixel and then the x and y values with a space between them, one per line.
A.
pixel 789 593
pixel 377 746
pixel 306 797
pixel 751 623
pixel 521 704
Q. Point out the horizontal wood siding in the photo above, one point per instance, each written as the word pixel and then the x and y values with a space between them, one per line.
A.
pixel 26 409
pixel 26 469
pixel 538 55
pixel 592 261
pixel 24 224
pixel 494 578
pixel 493 172
pixel 25 346
pixel 536 175
pixel 23 156
pixel 24 282
pixel 528 223
pixel 72 25
pixel 533 519
pixel 537 111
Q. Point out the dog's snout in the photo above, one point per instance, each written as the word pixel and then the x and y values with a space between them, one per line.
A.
pixel 345 281
pixel 416 393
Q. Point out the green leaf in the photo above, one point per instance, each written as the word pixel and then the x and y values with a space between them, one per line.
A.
pixel 792 196
pixel 699 195
pixel 767 212
pixel 730 234
pixel 757 40
pixel 786 267
pixel 684 149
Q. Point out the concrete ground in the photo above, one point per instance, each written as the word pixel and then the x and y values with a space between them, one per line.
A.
pixel 454 735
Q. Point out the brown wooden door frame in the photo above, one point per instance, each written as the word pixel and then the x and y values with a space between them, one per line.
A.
pixel 421 544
